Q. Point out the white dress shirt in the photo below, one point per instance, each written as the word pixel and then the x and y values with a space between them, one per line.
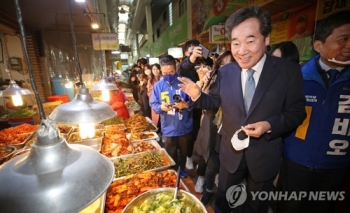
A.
pixel 258 68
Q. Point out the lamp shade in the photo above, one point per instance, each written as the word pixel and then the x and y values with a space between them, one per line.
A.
pixel 104 85
pixel 82 109
pixel 54 176
pixel 14 89
pixel 176 52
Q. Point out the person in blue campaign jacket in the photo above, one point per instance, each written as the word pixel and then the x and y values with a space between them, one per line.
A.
pixel 317 155
pixel 172 105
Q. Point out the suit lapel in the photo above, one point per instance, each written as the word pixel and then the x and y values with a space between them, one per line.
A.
pixel 236 85
pixel 267 76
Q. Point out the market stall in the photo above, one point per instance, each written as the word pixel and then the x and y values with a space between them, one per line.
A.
pixel 140 162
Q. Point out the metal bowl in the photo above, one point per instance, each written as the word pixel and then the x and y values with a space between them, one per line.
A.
pixel 10 149
pixel 142 197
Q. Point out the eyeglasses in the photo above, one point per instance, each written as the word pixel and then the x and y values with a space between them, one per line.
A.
pixel 203 67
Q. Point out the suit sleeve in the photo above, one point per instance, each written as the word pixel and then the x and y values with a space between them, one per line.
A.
pixel 211 100
pixel 293 112
pixel 185 67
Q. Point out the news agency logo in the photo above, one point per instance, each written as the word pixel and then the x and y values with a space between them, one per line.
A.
pixel 236 195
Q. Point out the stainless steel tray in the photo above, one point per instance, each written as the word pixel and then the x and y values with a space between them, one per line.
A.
pixel 68 126
pixel 22 144
pixel 97 127
pixel 155 129
pixel 162 152
pixel 154 136
pixel 92 142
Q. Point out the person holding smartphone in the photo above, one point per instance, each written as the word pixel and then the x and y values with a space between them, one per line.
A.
pixel 192 52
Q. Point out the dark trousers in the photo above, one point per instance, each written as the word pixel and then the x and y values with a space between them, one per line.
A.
pixel 297 178
pixel 196 115
pixel 227 179
pixel 175 144
pixel 146 109
pixel 202 166
pixel 212 169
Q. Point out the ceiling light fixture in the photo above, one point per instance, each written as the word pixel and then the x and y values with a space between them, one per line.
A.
pixel 115 52
pixel 95 25
pixel 104 86
pixel 83 109
pixel 122 11
pixel 53 175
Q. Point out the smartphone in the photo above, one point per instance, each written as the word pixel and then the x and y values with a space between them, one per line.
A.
pixel 205 51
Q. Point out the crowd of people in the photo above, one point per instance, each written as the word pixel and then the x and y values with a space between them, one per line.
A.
pixel 259 119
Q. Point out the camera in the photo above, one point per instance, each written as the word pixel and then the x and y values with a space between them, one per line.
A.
pixel 177 98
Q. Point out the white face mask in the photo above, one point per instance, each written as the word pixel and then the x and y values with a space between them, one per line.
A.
pixel 237 143
pixel 148 72
pixel 339 62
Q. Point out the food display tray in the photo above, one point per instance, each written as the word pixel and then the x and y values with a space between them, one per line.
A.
pixel 155 129
pixel 162 152
pixel 92 142
pixel 153 142
pixel 97 127
pixel 181 182
pixel 22 144
pixel 153 137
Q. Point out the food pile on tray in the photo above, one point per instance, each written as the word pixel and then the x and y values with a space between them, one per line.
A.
pixel 17 135
pixel 133 164
pixel 142 146
pixel 116 144
pixel 139 123
pixel 122 191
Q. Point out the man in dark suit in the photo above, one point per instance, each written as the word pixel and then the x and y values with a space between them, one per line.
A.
pixel 277 106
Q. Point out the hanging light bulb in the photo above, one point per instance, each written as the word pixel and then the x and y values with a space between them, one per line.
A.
pixel 87 130
pixel 15 92
pixel 95 25
pixel 68 85
pixel 17 100
pixel 105 95
pixel 50 174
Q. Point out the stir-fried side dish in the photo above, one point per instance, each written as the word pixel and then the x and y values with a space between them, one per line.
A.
pixel 137 123
pixel 116 145
pixel 64 129
pixel 11 139
pixel 20 129
pixel 164 202
pixel 115 129
pixel 122 191
pixel 138 163
pixel 114 120
pixel 142 146
pixel 141 136
pixel 3 154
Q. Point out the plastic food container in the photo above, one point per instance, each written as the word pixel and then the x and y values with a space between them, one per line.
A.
pixel 63 97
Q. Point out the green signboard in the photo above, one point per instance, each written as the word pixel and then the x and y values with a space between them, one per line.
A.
pixel 177 33
pixel 174 35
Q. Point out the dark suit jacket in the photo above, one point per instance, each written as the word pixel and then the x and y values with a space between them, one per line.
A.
pixel 279 99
